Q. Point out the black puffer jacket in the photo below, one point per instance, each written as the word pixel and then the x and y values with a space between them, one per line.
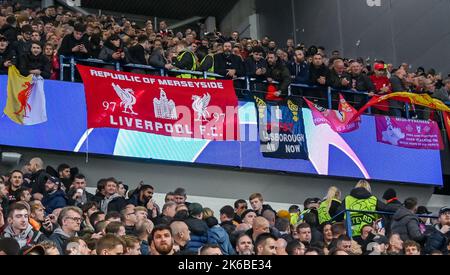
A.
pixel 199 233
pixel 436 240
pixel 406 224
pixel 30 62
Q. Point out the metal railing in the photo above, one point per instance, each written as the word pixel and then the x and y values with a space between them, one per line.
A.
pixel 71 64
pixel 348 219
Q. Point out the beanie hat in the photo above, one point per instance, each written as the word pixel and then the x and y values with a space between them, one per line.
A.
pixel 389 194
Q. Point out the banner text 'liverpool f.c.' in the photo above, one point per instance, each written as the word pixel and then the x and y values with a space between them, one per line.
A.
pixel 190 108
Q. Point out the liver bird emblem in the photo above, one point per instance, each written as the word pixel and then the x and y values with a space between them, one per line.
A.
pixel 200 106
pixel 127 97
pixel 23 97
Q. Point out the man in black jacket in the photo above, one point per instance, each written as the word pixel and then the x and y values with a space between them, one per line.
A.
pixel 7 55
pixel 397 85
pixel 390 197
pixel 227 64
pixel 278 72
pixel 256 65
pixel 136 54
pixel 75 44
pixel 439 234
pixel 77 194
pixel 23 46
pixel 9 29
pixel 360 82
pixel 38 178
pixel 318 76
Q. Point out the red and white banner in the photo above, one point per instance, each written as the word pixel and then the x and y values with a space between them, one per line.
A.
pixel 203 109
pixel 338 120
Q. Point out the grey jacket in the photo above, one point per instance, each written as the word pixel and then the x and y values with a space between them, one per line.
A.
pixel 442 94
pixel 28 237
pixel 406 224
pixel 60 238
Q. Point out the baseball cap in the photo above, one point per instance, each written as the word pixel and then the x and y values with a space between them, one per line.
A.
pixel 53 179
pixel 379 67
pixel 422 210
pixel 444 209
pixel 311 200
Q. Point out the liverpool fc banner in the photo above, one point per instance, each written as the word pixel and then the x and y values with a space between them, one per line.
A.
pixel 281 130
pixel 190 108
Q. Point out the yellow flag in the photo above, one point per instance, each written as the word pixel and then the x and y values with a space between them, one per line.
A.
pixel 26 99
pixel 419 99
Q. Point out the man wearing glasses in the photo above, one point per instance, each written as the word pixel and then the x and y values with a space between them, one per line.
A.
pixel 440 233
pixel 69 221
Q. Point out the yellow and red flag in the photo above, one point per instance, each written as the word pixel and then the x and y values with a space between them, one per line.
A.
pixel 447 123
pixel 26 98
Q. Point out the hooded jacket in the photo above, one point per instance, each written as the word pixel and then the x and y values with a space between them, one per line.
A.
pixel 199 234
pixel 54 200
pixel 406 224
pixel 362 193
pixel 218 235
pixel 29 237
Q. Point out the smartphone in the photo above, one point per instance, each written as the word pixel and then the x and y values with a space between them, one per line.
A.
pixel 380 224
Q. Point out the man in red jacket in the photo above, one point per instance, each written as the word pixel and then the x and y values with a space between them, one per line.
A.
pixel 382 85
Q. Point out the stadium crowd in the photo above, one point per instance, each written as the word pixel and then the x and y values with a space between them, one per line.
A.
pixel 49 211
pixel 34 39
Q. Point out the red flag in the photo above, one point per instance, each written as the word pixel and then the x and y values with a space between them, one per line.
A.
pixel 202 109
pixel 271 90
pixel 447 123
pixel 339 121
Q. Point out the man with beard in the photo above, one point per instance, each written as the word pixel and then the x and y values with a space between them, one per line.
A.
pixel 143 197
pixel 265 244
pixel 227 64
pixel 277 72
pixel 162 241
pixel 38 178
pixel 54 197
pixel 244 245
